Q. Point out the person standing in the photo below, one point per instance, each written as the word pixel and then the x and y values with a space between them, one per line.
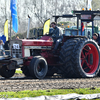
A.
pixel 7 46
pixel 17 37
pixel 2 51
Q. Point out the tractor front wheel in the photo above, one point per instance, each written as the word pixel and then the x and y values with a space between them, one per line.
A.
pixel 80 57
pixel 38 67
pixel 5 72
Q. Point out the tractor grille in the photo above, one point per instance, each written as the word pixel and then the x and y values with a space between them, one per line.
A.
pixel 17 53
pixel 16 49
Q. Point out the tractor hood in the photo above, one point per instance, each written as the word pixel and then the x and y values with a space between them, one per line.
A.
pixel 44 41
pixel 36 42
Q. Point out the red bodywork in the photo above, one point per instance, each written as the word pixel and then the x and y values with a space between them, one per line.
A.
pixel 44 41
pixel 47 54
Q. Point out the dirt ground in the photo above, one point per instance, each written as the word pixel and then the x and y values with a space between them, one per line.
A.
pixel 19 82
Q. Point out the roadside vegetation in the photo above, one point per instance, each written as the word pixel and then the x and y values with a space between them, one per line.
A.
pixel 18 72
pixel 35 93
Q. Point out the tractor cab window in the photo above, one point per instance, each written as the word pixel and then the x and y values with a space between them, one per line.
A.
pixel 88 32
pixel 74 32
pixel 70 32
pixel 67 33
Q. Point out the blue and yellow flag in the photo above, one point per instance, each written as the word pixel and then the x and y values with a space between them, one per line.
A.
pixel 13 8
pixel 6 30
pixel 46 27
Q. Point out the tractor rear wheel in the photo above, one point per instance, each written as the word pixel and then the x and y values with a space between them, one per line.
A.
pixel 80 57
pixel 38 67
pixel 5 72
pixel 51 70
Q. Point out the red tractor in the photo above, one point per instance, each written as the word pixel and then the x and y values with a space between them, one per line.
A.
pixel 77 56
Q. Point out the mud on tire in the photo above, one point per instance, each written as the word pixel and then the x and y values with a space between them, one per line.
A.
pixel 80 57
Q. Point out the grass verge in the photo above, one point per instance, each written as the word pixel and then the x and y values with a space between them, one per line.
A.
pixel 35 93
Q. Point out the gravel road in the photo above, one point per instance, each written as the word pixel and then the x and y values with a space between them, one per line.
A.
pixel 19 82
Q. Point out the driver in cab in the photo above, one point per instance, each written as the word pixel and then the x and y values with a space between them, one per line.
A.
pixel 57 35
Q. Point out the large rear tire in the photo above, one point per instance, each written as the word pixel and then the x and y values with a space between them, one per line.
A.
pixel 5 72
pixel 51 70
pixel 38 67
pixel 80 57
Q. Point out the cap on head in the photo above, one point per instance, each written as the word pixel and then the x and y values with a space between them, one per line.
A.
pixel 95 34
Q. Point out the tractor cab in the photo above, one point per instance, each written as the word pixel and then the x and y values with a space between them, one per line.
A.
pixel 86 17
pixel 73 31
pixel 85 23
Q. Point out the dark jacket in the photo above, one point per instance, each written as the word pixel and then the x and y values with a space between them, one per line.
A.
pixel 56 34
pixel 6 45
pixel 98 39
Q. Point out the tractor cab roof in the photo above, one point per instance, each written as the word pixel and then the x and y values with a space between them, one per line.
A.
pixel 87 12
pixel 64 16
pixel 83 15
pixel 86 15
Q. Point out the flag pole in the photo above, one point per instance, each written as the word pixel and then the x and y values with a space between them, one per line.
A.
pixel 5 10
pixel 86 3
pixel 10 27
pixel 10 34
pixel 10 17
pixel 28 27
